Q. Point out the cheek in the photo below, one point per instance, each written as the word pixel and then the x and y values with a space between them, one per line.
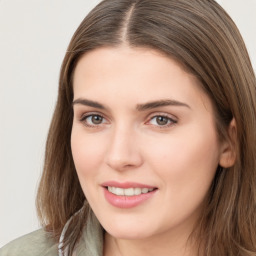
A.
pixel 185 166
pixel 87 154
pixel 186 160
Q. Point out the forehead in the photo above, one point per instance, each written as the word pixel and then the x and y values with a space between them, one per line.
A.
pixel 106 60
pixel 139 74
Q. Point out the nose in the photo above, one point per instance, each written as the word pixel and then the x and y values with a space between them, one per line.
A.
pixel 123 152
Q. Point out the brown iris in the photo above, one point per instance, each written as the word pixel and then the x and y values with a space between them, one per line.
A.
pixel 162 120
pixel 97 119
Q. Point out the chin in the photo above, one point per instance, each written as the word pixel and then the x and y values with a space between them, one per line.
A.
pixel 128 231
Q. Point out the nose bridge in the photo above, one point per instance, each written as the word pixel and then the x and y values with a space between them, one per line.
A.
pixel 123 151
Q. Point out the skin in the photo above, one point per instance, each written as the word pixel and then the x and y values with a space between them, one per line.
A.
pixel 178 156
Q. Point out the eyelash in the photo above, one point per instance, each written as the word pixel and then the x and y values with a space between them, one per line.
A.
pixel 84 118
pixel 171 121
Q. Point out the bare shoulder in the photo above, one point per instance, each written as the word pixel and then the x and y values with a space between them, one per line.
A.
pixel 33 244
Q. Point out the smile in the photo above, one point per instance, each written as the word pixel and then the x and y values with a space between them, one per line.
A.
pixel 129 191
pixel 127 194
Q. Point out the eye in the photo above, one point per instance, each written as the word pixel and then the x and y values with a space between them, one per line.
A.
pixel 93 120
pixel 162 120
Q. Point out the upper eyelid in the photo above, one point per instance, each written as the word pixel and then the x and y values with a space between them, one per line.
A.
pixel 91 113
pixel 171 116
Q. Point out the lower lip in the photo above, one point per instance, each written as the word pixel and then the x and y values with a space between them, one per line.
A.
pixel 127 201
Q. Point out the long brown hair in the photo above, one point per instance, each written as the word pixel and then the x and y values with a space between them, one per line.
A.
pixel 202 37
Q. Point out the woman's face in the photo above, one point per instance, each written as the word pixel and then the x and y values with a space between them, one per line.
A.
pixel 143 140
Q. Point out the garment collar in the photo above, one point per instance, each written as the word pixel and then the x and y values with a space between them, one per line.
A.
pixel 91 241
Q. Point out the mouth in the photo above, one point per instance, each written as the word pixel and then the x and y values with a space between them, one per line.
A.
pixel 128 194
pixel 129 191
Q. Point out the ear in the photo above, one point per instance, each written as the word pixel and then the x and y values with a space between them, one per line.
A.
pixel 228 147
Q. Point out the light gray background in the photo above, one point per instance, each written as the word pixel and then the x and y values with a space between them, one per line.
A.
pixel 34 35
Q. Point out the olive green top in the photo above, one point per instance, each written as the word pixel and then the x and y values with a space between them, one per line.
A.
pixel 33 244
pixel 39 243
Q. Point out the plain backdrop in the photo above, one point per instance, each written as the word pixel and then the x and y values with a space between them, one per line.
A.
pixel 34 35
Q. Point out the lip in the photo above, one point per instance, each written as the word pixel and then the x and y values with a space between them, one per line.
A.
pixel 126 202
pixel 125 184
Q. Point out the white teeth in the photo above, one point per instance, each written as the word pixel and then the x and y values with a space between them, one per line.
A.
pixel 144 190
pixel 119 191
pixel 137 191
pixel 129 191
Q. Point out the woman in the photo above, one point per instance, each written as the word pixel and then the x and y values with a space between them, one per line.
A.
pixel 151 146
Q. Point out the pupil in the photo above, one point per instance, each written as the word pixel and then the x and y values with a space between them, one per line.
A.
pixel 161 120
pixel 96 119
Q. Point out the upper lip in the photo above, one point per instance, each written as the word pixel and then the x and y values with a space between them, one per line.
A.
pixel 127 184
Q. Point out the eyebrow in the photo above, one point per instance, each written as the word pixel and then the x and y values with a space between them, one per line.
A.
pixel 160 103
pixel 89 103
pixel 139 107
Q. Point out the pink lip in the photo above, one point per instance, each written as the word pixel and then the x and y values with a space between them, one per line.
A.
pixel 125 185
pixel 126 201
